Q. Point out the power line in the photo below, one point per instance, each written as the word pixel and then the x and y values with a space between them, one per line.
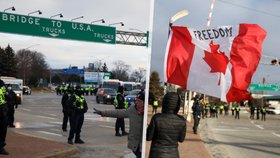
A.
pixel 244 7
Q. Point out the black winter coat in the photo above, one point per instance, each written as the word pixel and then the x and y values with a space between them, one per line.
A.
pixel 165 130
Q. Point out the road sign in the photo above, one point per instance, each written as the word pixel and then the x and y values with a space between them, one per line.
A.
pixel 264 87
pixel 35 26
pixel 95 77
pixel 74 71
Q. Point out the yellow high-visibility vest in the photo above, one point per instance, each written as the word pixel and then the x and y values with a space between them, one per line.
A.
pixel 2 96
pixel 156 103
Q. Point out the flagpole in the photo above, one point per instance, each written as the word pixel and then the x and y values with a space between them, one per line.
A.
pixel 210 13
pixel 176 17
pixel 208 24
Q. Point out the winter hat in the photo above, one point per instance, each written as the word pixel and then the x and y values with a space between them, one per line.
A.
pixel 120 89
pixel 171 103
pixel 141 96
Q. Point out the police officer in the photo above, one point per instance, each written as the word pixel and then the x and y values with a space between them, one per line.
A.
pixel 12 104
pixel 196 112
pixel 203 110
pixel 258 112
pixel 263 112
pixel 237 110
pixel 232 109
pixel 155 106
pixel 120 103
pixel 78 107
pixel 215 110
pixel 3 118
pixel 65 107
pixel 221 109
pixel 207 109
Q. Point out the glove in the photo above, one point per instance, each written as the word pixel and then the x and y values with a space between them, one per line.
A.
pixel 96 111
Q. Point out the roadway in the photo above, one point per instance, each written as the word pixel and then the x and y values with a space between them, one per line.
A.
pixel 40 115
pixel 227 137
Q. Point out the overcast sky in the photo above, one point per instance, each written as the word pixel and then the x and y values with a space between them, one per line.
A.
pixel 62 53
pixel 226 12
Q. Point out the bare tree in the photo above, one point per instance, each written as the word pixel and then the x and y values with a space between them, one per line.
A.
pixel 120 70
pixel 138 75
pixel 32 66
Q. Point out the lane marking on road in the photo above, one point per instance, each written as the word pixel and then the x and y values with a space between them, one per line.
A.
pixel 259 126
pixel 50 133
pixel 220 129
pixel 278 135
pixel 25 109
pixel 46 117
pixel 107 126
pixel 50 114
pixel 57 130
pixel 113 127
pixel 56 122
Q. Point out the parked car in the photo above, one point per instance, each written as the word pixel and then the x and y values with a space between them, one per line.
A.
pixel 274 110
pixel 131 96
pixel 26 90
pixel 106 95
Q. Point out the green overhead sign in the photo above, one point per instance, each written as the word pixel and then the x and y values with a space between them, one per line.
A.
pixel 34 26
pixel 264 87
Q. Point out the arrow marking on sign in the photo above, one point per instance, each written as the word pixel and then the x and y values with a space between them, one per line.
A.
pixel 53 34
pixel 107 40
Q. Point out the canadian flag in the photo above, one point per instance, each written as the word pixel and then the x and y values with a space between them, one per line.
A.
pixel 218 61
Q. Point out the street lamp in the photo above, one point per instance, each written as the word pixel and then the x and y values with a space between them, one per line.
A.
pixel 60 15
pixel 24 69
pixel 77 18
pixel 102 20
pixel 37 11
pixel 177 16
pixel 12 8
pixel 121 23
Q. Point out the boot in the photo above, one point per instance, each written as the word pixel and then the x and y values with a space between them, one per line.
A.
pixel 118 134
pixel 70 142
pixel 79 141
pixel 4 152
pixel 124 133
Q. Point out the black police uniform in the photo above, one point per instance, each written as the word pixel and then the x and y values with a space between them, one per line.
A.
pixel 12 104
pixel 196 114
pixel 78 106
pixel 66 108
pixel 3 118
pixel 120 104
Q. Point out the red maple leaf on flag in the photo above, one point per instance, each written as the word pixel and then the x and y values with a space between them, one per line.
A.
pixel 217 60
